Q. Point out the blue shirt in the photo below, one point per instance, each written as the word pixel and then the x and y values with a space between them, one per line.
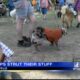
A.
pixel 10 2
pixel 61 2
pixel 10 5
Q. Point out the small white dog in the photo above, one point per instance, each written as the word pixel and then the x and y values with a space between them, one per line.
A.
pixel 13 15
pixel 63 9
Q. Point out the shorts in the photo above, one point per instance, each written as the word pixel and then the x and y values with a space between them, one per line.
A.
pixel 44 10
pixel 24 11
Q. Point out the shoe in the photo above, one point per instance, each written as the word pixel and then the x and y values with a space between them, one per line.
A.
pixel 23 43
pixel 24 38
pixel 27 40
pixel 78 25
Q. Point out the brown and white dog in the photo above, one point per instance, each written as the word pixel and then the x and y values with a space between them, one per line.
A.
pixel 67 16
pixel 67 19
pixel 52 35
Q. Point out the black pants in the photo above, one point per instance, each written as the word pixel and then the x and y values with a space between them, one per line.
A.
pixel 59 14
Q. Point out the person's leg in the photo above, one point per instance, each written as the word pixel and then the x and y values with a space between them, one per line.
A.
pixel 44 12
pixel 32 25
pixel 32 19
pixel 28 39
pixel 78 17
pixel 19 28
pixel 78 25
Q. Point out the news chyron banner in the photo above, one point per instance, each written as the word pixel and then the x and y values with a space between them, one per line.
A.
pixel 39 65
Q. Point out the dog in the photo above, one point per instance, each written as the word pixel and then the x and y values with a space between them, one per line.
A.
pixel 35 40
pixel 13 15
pixel 67 19
pixel 67 16
pixel 52 35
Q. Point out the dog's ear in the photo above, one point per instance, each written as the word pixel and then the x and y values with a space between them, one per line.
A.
pixel 39 28
pixel 40 32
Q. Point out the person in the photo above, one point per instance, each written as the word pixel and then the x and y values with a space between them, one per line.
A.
pixel 38 6
pixel 44 4
pixel 10 5
pixel 61 2
pixel 24 10
pixel 5 56
pixel 77 6
pixel 34 2
pixel 56 4
pixel 70 2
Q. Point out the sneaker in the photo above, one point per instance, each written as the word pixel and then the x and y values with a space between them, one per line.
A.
pixel 27 40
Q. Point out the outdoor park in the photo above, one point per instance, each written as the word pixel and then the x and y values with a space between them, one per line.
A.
pixel 69 44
